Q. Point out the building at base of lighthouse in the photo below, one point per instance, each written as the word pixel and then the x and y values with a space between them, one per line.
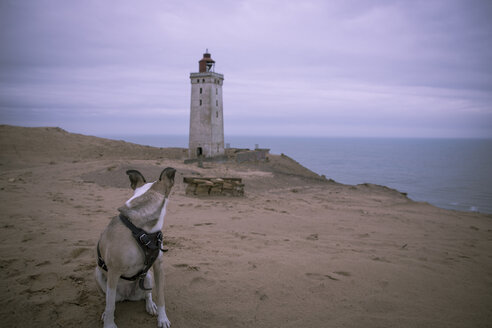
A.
pixel 206 111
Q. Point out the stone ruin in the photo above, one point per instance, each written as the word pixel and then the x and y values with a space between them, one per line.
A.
pixel 214 186
pixel 237 155
pixel 246 155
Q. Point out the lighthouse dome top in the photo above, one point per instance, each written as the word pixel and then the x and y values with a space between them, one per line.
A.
pixel 206 64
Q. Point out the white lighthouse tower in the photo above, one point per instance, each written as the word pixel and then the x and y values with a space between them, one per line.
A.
pixel 206 110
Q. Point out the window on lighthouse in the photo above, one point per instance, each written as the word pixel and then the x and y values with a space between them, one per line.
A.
pixel 200 90
pixel 200 102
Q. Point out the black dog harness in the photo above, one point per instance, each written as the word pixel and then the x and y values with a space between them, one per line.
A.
pixel 150 243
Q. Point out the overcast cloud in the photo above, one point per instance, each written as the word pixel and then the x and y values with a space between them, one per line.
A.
pixel 313 68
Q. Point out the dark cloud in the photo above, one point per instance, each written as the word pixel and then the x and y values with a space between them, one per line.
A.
pixel 313 67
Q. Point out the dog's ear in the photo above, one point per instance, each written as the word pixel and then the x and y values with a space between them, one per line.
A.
pixel 136 179
pixel 168 173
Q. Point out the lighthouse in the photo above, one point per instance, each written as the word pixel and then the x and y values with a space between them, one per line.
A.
pixel 206 110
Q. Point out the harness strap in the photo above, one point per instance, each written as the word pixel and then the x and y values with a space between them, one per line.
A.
pixel 146 240
pixel 150 245
pixel 100 260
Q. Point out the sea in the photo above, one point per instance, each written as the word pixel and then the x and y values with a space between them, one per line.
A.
pixel 448 173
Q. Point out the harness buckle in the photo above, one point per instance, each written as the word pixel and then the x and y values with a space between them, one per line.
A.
pixel 144 239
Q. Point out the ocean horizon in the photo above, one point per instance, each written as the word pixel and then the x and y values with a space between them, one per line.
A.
pixel 449 173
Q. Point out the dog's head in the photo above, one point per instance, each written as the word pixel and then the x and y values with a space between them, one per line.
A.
pixel 163 185
pixel 149 198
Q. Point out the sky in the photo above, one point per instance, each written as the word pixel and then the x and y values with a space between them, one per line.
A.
pixel 343 68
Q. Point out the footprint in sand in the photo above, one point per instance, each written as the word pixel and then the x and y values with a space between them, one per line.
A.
pixel 43 263
pixel 381 259
pixel 29 237
pixel 80 251
pixel 313 236
pixel 201 282
pixel 77 279
pixel 203 224
pixel 241 236
pixel 39 282
pixel 81 242
pixel 11 267
pixel 261 295
pixel 319 276
pixel 187 266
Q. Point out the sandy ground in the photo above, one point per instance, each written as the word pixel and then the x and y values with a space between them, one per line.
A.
pixel 296 251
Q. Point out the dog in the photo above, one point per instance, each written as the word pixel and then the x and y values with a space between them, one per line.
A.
pixel 131 244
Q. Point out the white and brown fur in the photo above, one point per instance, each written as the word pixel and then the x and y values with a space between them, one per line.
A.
pixel 123 256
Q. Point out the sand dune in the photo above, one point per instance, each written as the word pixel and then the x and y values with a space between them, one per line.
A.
pixel 296 251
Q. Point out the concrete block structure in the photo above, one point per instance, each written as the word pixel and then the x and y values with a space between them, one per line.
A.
pixel 214 186
pixel 206 111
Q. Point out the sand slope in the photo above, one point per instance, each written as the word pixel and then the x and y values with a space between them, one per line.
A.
pixel 297 250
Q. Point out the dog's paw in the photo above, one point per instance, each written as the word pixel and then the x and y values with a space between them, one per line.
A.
pixel 150 306
pixel 108 324
pixel 163 322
